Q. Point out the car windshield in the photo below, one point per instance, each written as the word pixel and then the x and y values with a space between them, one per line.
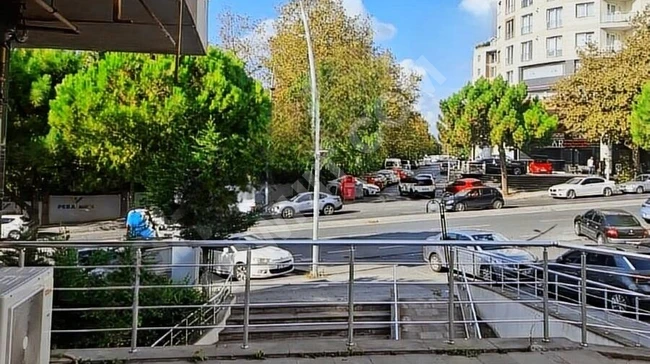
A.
pixel 296 197
pixel 622 220
pixel 489 237
pixel 574 181
pixel 640 263
pixel 641 178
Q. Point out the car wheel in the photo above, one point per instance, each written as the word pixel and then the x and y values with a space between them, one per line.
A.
pixel 618 302
pixel 328 210
pixel 571 194
pixel 517 171
pixel 601 239
pixel 577 229
pixel 460 207
pixel 14 235
pixel 435 263
pixel 240 272
pixel 640 190
pixel 288 213
pixel 497 204
pixel 607 192
pixel 486 274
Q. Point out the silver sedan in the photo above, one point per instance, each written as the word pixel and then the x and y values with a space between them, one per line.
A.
pixel 489 258
pixel 304 203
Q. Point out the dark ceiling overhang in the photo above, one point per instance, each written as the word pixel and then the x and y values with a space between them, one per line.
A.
pixel 145 26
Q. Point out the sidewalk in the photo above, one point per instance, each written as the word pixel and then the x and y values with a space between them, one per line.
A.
pixel 368 351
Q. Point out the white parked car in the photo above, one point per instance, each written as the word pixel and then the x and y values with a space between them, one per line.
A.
pixel 368 188
pixel 266 261
pixel 390 175
pixel 583 186
pixel 304 203
pixel 14 227
pixel 490 258
pixel 639 184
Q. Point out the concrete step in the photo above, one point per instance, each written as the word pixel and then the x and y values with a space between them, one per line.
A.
pixel 375 330
pixel 307 317
pixel 311 307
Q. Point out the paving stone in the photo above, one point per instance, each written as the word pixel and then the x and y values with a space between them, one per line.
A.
pixel 496 359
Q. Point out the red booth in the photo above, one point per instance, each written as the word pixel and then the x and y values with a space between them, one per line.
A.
pixel 348 188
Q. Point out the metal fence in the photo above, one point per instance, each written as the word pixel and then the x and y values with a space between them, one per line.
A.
pixel 588 294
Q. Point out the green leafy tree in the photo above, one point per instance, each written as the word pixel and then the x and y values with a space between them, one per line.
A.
pixel 191 144
pixel 516 121
pixel 596 101
pixel 640 119
pixel 493 113
pixel 31 169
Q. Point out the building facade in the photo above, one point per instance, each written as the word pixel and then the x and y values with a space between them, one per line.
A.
pixel 537 41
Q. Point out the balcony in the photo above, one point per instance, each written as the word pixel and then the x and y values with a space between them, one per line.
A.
pixel 436 289
pixel 554 24
pixel 613 47
pixel 617 21
pixel 552 53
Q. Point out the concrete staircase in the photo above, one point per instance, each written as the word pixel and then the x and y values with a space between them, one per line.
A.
pixel 426 311
pixel 308 321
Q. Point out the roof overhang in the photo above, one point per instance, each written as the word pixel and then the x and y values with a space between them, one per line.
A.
pixel 117 25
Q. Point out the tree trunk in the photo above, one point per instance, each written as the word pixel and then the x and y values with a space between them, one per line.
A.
pixel 504 170
pixel 636 159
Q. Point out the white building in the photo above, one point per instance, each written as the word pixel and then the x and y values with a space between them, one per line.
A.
pixel 537 41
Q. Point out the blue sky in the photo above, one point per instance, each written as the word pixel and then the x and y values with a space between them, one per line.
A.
pixel 435 38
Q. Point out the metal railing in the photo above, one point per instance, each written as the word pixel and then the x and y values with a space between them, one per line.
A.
pixel 617 18
pixel 357 279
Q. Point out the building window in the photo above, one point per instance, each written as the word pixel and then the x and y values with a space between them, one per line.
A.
pixel 510 55
pixel 526 24
pixel 510 75
pixel 577 65
pixel 510 6
pixel 478 72
pixel 554 47
pixel 585 10
pixel 583 39
pixel 510 29
pixel 499 32
pixel 479 58
pixel 526 3
pixel 527 51
pixel 554 18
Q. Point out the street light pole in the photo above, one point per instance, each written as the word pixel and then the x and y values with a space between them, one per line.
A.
pixel 268 146
pixel 315 253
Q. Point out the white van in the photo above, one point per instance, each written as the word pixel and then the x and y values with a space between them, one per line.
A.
pixel 391 163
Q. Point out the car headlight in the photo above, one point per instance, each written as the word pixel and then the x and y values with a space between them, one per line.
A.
pixel 262 260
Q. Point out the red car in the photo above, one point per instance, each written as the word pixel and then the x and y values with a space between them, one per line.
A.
pixel 463 184
pixel 540 166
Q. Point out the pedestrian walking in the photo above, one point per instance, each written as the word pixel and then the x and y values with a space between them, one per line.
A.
pixel 590 165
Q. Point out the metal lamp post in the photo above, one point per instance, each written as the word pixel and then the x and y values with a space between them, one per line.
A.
pixel 316 125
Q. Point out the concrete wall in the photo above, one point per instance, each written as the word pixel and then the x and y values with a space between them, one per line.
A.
pixel 514 310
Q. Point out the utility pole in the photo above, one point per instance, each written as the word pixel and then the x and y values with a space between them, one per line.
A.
pixel 268 142
pixel 315 252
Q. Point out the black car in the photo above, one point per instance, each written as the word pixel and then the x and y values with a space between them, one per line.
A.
pixel 474 198
pixel 493 166
pixel 612 276
pixel 610 226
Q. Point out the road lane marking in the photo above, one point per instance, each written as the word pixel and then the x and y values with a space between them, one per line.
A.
pixel 552 220
pixel 338 251
pixel 390 247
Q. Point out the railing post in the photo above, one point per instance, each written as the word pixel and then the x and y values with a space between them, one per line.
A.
pixel 395 302
pixel 547 330
pixel 21 257
pixel 557 295
pixel 351 299
pixel 636 307
pixel 583 295
pixel 247 297
pixel 518 283
pixel 135 310
pixel 450 279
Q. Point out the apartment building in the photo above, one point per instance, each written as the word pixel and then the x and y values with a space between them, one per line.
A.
pixel 537 41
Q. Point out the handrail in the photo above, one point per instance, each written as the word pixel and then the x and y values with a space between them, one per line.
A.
pixel 470 304
pixel 214 300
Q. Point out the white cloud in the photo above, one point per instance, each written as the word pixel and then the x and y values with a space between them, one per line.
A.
pixel 383 31
pixel 478 7
pixel 429 97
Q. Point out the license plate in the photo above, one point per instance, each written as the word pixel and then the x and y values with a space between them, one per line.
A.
pixel 281 266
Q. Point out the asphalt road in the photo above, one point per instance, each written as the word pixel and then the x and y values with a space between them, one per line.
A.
pixel 516 223
pixel 392 206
